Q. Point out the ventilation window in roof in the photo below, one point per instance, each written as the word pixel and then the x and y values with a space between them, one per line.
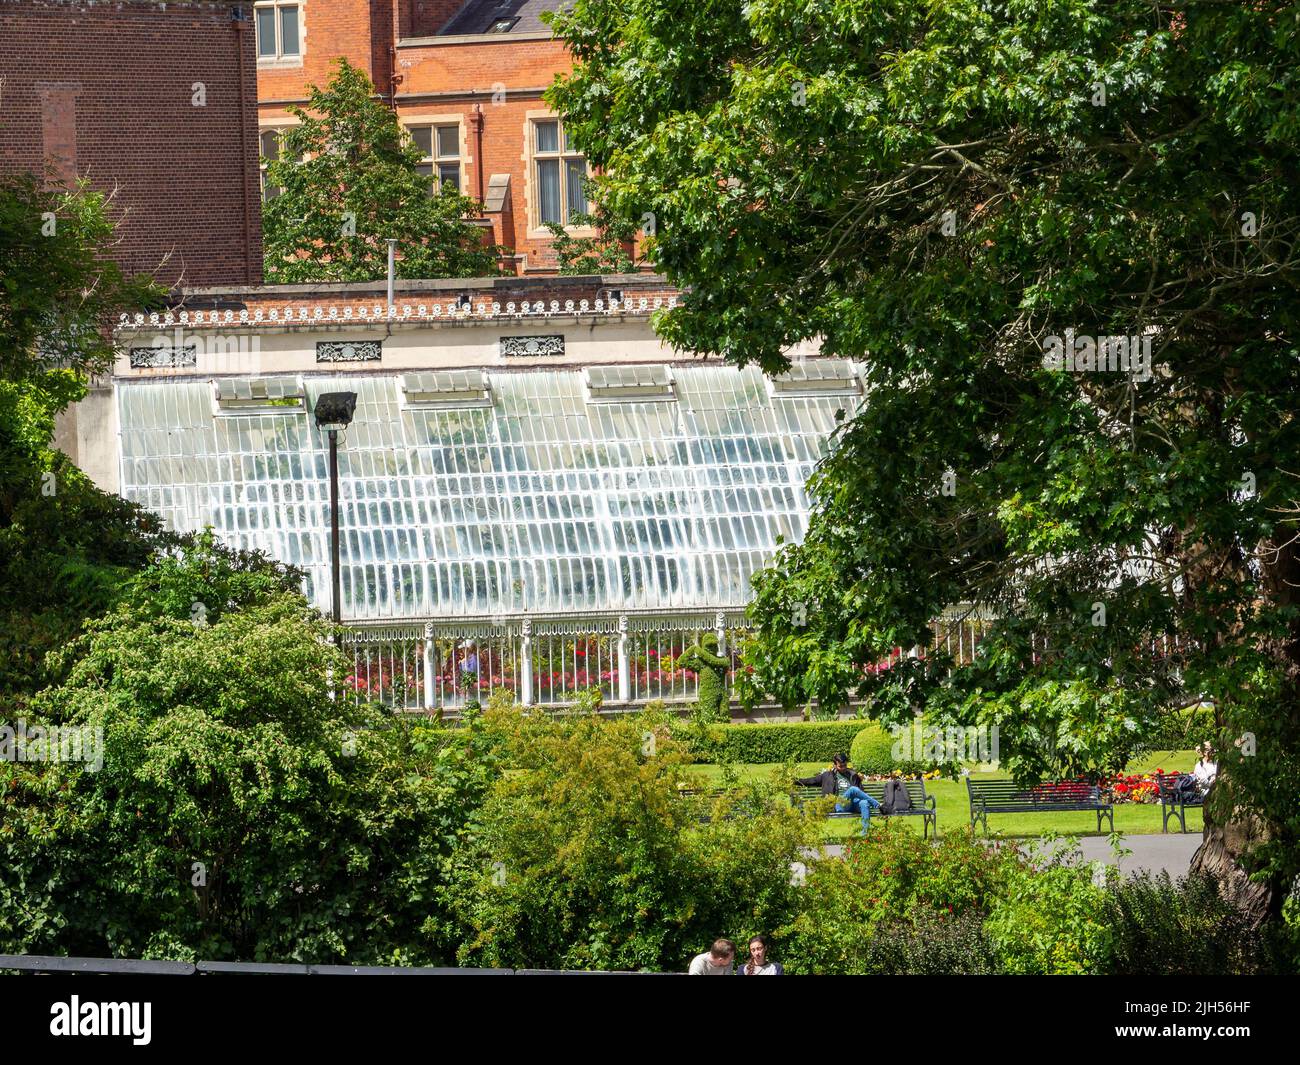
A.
pixel 447 388
pixel 622 384
pixel 259 395
pixel 818 377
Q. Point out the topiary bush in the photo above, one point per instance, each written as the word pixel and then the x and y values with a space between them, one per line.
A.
pixel 804 741
pixel 870 751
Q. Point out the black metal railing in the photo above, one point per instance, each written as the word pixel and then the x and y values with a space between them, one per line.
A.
pixel 30 963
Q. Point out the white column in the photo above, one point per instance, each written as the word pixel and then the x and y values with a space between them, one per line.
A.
pixel 526 664
pixel 430 667
pixel 624 669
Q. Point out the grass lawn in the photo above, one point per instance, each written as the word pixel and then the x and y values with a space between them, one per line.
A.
pixel 953 806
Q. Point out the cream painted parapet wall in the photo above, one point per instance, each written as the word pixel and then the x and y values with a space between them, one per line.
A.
pixel 454 343
pixel 439 325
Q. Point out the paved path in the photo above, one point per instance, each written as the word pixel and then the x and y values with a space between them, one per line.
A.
pixel 1172 852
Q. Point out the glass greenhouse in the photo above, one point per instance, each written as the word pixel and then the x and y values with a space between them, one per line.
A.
pixel 617 510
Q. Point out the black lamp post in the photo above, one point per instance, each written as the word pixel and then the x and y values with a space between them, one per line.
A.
pixel 334 411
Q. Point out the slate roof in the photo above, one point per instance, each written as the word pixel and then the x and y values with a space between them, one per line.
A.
pixel 477 15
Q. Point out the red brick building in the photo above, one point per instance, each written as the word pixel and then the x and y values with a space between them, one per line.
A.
pixel 156 101
pixel 466 78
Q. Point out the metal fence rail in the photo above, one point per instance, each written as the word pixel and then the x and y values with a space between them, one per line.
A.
pixel 35 964
pixel 544 661
pixel 549 661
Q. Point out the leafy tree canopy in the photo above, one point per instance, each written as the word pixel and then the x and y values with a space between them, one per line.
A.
pixel 65 546
pixel 349 181
pixel 949 192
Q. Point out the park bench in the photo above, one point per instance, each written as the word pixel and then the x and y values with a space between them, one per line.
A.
pixel 704 800
pixel 1008 797
pixel 922 804
pixel 1172 803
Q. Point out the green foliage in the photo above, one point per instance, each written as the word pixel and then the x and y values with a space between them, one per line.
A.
pixel 935 945
pixel 1184 928
pixel 703 660
pixel 1049 919
pixel 604 253
pixel 65 546
pixel 893 883
pixel 935 189
pixel 349 182
pixel 56 296
pixel 812 741
pixel 585 855
pixel 319 827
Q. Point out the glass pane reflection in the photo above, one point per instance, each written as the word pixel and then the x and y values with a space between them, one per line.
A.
pixel 543 502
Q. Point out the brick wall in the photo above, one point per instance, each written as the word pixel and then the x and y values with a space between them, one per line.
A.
pixel 108 92
pixel 358 30
pixel 495 79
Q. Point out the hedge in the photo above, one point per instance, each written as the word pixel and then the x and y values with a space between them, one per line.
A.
pixel 805 741
pixel 871 750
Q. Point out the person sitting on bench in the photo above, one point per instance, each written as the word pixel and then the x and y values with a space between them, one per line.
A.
pixel 846 785
pixel 1194 786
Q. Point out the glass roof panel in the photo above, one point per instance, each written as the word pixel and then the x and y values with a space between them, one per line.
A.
pixel 542 501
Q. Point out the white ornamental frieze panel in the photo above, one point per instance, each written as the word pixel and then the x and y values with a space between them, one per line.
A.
pixel 531 346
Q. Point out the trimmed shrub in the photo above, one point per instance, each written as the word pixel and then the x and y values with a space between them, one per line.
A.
pixel 804 741
pixel 1184 928
pixel 870 751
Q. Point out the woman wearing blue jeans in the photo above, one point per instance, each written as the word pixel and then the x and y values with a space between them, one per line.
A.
pixel 846 785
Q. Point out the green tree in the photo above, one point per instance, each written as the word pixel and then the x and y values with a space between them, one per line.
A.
pixel 604 253
pixel 585 855
pixel 349 181
pixel 938 190
pixel 59 291
pixel 240 812
pixel 65 546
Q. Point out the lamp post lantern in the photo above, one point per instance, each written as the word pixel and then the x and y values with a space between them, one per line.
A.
pixel 334 412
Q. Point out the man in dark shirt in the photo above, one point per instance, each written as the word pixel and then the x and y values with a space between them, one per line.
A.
pixel 846 785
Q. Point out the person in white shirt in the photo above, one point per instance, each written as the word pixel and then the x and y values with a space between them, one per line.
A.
pixel 718 960
pixel 759 964
pixel 1206 768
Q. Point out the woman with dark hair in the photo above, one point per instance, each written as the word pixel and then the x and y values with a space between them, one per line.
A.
pixel 759 964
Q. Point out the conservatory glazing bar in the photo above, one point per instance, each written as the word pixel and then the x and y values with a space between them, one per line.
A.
pixel 538 492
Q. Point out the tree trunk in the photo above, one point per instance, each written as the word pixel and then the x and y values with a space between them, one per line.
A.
pixel 1231 831
pixel 1220 855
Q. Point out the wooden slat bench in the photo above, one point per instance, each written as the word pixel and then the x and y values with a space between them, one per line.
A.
pixel 705 799
pixel 922 804
pixel 1008 797
pixel 1172 803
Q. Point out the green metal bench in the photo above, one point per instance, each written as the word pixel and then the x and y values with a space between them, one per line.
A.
pixel 1007 797
pixel 922 804
pixel 1174 803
